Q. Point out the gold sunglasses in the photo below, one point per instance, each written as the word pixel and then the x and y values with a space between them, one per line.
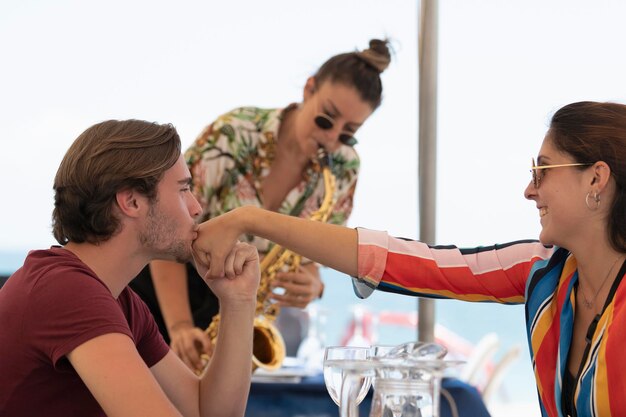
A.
pixel 537 170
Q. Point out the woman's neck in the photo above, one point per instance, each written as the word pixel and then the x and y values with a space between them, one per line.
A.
pixel 598 268
pixel 288 145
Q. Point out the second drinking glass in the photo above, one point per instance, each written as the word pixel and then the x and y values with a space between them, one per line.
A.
pixel 334 375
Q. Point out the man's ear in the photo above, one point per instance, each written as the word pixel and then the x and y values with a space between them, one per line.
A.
pixel 309 88
pixel 129 202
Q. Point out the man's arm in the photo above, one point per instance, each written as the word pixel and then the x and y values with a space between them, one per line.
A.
pixel 226 383
pixel 223 389
pixel 119 380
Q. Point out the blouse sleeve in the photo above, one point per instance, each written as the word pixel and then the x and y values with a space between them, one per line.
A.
pixel 495 273
pixel 346 175
pixel 209 160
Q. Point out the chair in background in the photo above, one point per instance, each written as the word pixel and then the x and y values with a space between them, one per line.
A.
pixel 479 361
pixel 480 369
pixel 497 375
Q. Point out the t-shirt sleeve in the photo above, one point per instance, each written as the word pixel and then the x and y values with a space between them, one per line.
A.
pixel 69 308
pixel 149 341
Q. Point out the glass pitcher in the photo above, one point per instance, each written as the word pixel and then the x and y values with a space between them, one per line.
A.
pixel 406 381
pixel 405 389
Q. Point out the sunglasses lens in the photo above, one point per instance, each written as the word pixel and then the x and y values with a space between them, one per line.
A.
pixel 348 140
pixel 533 172
pixel 323 122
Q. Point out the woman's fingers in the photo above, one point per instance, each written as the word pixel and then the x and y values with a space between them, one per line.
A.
pixel 300 288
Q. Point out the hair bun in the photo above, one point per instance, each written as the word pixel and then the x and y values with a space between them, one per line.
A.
pixel 377 55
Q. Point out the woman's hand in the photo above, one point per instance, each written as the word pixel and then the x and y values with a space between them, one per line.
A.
pixel 190 344
pixel 216 238
pixel 300 287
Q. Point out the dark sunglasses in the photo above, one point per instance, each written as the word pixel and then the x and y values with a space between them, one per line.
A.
pixel 325 122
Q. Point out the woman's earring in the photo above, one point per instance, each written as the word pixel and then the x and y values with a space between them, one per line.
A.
pixel 596 199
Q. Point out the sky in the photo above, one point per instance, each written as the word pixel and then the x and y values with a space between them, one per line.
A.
pixel 504 68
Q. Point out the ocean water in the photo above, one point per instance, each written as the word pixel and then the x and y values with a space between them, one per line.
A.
pixel 470 321
pixel 10 260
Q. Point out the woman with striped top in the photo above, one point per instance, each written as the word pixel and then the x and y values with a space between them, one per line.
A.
pixel 569 280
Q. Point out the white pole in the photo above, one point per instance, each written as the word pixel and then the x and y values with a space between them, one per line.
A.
pixel 427 55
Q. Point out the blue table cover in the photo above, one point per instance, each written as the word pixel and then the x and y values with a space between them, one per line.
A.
pixel 309 398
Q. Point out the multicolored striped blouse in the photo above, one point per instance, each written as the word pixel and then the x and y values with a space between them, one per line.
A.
pixel 543 278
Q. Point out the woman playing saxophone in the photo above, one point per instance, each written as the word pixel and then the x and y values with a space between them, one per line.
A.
pixel 268 158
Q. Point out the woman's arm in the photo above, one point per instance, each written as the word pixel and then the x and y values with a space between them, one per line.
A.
pixel 330 245
pixel 496 273
pixel 170 286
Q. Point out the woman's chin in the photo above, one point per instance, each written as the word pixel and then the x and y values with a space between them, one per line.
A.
pixel 545 238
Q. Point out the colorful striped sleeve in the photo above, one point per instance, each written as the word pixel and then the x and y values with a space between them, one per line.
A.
pixel 493 273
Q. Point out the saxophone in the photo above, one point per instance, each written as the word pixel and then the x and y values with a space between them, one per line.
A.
pixel 268 350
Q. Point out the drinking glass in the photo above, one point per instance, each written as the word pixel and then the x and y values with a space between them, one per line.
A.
pixel 335 376
pixel 311 349
pixel 377 351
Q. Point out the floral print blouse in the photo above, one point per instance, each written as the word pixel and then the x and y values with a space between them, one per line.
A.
pixel 231 157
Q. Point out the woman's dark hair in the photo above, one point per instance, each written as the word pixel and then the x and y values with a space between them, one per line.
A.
pixel 591 132
pixel 360 69
pixel 107 158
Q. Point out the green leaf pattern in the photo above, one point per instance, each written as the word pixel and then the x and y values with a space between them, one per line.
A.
pixel 232 155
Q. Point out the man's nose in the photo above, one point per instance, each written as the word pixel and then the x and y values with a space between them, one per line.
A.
pixel 195 208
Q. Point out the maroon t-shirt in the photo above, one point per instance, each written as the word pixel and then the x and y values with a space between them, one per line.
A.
pixel 50 306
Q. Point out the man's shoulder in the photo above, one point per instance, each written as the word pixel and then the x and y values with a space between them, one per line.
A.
pixel 56 259
pixel 52 255
pixel 53 270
